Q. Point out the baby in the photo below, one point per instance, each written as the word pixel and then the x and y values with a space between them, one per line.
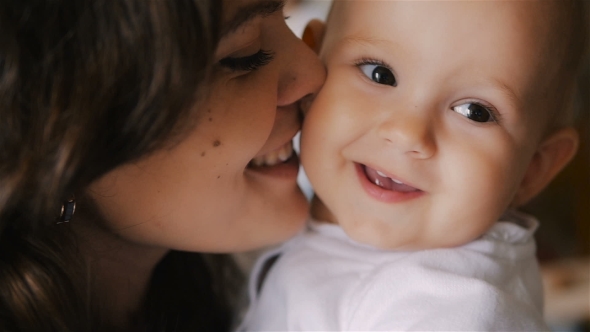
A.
pixel 437 121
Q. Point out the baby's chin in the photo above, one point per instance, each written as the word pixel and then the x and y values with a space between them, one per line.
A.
pixel 387 238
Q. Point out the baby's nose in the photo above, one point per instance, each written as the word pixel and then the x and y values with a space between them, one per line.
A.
pixel 411 134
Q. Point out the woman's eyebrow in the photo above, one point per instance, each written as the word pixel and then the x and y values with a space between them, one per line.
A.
pixel 247 13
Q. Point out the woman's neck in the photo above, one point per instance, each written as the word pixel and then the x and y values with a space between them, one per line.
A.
pixel 119 271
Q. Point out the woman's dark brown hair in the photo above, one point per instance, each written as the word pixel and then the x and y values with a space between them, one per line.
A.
pixel 85 86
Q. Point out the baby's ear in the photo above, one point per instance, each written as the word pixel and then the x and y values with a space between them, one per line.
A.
pixel 313 35
pixel 552 155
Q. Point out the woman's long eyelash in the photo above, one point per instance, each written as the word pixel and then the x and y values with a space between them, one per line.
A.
pixel 248 63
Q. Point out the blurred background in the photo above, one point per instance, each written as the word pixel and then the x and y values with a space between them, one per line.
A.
pixel 563 209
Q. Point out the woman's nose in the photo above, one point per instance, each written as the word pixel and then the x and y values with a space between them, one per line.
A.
pixel 411 134
pixel 303 74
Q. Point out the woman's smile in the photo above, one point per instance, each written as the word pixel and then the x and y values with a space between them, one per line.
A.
pixel 274 157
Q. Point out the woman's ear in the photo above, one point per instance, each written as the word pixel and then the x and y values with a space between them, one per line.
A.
pixel 313 35
pixel 552 155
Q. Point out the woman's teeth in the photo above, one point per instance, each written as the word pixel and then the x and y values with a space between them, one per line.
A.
pixel 277 156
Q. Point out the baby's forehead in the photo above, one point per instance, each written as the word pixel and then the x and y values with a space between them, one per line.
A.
pixel 549 12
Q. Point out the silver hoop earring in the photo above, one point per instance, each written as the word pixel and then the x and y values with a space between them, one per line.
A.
pixel 67 210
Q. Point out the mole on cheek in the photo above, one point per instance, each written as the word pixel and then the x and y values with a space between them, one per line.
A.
pixel 203 154
pixel 216 143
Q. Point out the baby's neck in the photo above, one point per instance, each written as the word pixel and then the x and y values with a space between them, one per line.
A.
pixel 320 212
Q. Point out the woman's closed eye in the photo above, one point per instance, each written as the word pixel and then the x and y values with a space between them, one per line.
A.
pixel 377 72
pixel 476 112
pixel 248 63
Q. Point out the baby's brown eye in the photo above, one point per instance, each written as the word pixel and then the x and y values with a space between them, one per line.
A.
pixel 378 74
pixel 474 112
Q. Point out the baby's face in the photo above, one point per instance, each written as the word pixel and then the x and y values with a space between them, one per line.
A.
pixel 428 119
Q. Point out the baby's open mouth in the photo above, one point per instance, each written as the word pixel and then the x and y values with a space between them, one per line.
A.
pixel 274 157
pixel 383 181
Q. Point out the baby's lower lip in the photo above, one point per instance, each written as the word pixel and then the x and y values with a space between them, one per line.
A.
pixel 390 193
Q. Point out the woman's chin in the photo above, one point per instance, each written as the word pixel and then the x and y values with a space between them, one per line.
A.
pixel 283 222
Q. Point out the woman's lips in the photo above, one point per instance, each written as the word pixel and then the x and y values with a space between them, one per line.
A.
pixel 384 188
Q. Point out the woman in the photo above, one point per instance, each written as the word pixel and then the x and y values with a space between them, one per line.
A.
pixel 162 126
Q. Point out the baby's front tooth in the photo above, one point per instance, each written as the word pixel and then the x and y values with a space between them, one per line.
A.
pixel 385 176
pixel 378 183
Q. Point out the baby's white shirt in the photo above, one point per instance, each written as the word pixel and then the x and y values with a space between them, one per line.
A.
pixel 324 281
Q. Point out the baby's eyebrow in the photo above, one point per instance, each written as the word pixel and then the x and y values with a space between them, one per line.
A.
pixel 367 40
pixel 508 92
